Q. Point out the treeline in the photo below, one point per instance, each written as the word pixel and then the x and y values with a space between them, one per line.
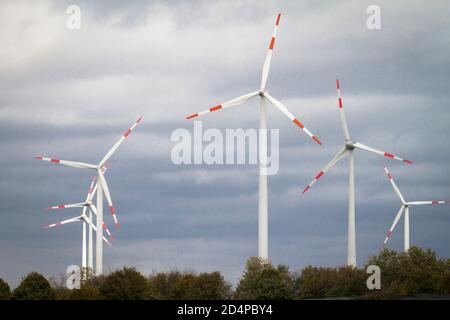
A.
pixel 402 274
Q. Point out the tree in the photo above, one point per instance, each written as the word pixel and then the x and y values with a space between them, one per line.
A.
pixel 125 284
pixel 261 280
pixel 189 286
pixel 315 282
pixel 34 287
pixel 349 282
pixel 5 291
pixel 413 272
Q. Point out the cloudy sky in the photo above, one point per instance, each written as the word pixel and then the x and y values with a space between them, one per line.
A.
pixel 71 93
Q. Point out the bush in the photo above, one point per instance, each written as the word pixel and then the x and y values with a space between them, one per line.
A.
pixel 188 286
pixel 5 291
pixel 314 282
pixel 34 287
pixel 263 281
pixel 124 284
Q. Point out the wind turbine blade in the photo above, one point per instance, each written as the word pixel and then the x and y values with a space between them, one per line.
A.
pixel 277 104
pixel 118 143
pixel 329 165
pixel 93 208
pixel 80 165
pixel 95 229
pixel 108 198
pixel 68 206
pixel 421 203
pixel 386 154
pixel 342 112
pixel 266 66
pixel 397 217
pixel 59 223
pixel 394 185
pixel 231 103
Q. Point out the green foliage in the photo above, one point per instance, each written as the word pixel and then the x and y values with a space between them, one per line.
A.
pixel 261 280
pixel 188 286
pixel 414 272
pixel 124 284
pixel 315 283
pixel 5 291
pixel 34 287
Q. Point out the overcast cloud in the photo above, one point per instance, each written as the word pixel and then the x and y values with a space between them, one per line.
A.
pixel 70 94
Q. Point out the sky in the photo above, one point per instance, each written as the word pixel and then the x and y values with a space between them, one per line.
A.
pixel 70 94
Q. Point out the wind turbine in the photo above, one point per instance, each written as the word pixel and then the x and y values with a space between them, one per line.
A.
pixel 87 205
pixel 263 161
pixel 405 209
pixel 102 188
pixel 349 146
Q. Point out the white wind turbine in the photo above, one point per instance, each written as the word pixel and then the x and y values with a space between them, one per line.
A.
pixel 263 161
pixel 102 188
pixel 88 205
pixel 349 147
pixel 405 209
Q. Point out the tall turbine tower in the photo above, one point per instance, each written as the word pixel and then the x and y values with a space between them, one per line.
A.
pixel 263 159
pixel 349 147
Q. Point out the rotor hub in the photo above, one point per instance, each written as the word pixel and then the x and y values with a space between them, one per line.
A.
pixel 349 145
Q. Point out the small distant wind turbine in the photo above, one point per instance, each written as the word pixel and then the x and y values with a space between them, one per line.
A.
pixel 88 205
pixel 102 188
pixel 263 161
pixel 349 147
pixel 405 209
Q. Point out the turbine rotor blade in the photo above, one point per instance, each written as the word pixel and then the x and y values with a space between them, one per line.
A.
pixel 102 180
pixel 68 206
pixel 386 154
pixel 421 203
pixel 342 112
pixel 95 229
pixel 266 66
pixel 93 208
pixel 397 217
pixel 328 166
pixel 230 103
pixel 277 104
pixel 394 185
pixel 79 165
pixel 118 143
pixel 59 223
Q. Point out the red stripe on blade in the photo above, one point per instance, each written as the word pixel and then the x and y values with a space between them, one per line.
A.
pixel 306 189
pixel 54 160
pixel 278 19
pixel 407 161
pixel 298 123
pixel 319 175
pixel 215 108
pixel 434 202
pixel 39 158
pixel 340 103
pixel 316 140
pixel 272 43
pixel 126 134
pixel 386 154
pixel 192 116
pixel 337 84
